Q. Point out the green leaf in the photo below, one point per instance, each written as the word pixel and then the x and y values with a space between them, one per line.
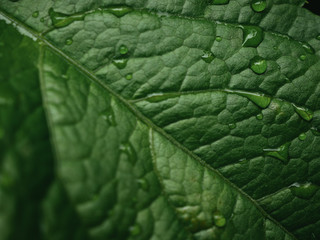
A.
pixel 167 120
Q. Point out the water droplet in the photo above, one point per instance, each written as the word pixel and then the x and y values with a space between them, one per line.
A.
pixel 258 65
pixel 35 14
pixel 219 220
pixel 143 183
pixel 281 153
pixel 120 63
pixel 259 116
pixel 304 113
pixel 232 126
pixel 129 76
pixel 135 230
pixel 308 48
pixel 315 131
pixel 128 149
pixel 62 20
pixel 252 36
pixel 218 39
pixel 109 117
pixel 318 37
pixel 303 57
pixel 42 19
pixel 119 11
pixel 302 136
pixel 258 5
pixel 123 50
pixel 260 100
pixel 69 41
pixel 207 57
pixel 305 191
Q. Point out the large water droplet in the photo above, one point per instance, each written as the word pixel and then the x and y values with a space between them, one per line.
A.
pixel 207 56
pixel 304 113
pixel 62 20
pixel 281 153
pixel 219 220
pixel 120 11
pixel 252 36
pixel 35 14
pixel 258 5
pixel 258 65
pixel 135 230
pixel 260 100
pixel 143 183
pixel 259 116
pixel 120 63
pixel 302 136
pixel 69 41
pixel 123 50
pixel 305 191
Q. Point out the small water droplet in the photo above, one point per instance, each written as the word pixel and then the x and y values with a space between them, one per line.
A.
pixel 232 126
pixel 119 11
pixel 304 113
pixel 259 116
pixel 35 14
pixel 308 48
pixel 207 56
pixel 62 20
pixel 143 183
pixel 129 76
pixel 303 57
pixel 281 153
pixel 218 39
pixel 252 36
pixel 258 65
pixel 123 50
pixel 135 230
pixel 302 136
pixel 258 5
pixel 69 41
pixel 109 117
pixel 318 37
pixel 42 19
pixel 120 63
pixel 219 220
pixel 305 191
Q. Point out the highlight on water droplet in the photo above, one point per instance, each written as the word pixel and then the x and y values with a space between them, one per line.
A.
pixel 252 36
pixel 281 153
pixel 135 230
pixel 258 5
pixel 119 11
pixel 123 50
pixel 303 57
pixel 69 41
pixel 218 39
pixel 259 116
pixel 120 63
pixel 207 56
pixel 129 76
pixel 62 20
pixel 143 183
pixel 304 113
pixel 218 219
pixel 258 65
pixel 302 136
pixel 35 14
pixel 305 191
pixel 232 126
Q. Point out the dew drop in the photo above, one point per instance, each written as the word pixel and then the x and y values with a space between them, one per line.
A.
pixel 120 63
pixel 69 41
pixel 120 11
pixel 302 136
pixel 308 48
pixel 305 191
pixel 219 220
pixel 281 153
pixel 63 20
pixel 315 131
pixel 261 101
pixel 143 183
pixel 259 116
pixel 109 117
pixel 207 56
pixel 232 126
pixel 258 65
pixel 35 14
pixel 258 5
pixel 252 36
pixel 304 113
pixel 303 57
pixel 123 50
pixel 129 76
pixel 135 230
pixel 218 39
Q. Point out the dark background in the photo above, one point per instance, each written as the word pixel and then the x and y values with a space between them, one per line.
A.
pixel 312 6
